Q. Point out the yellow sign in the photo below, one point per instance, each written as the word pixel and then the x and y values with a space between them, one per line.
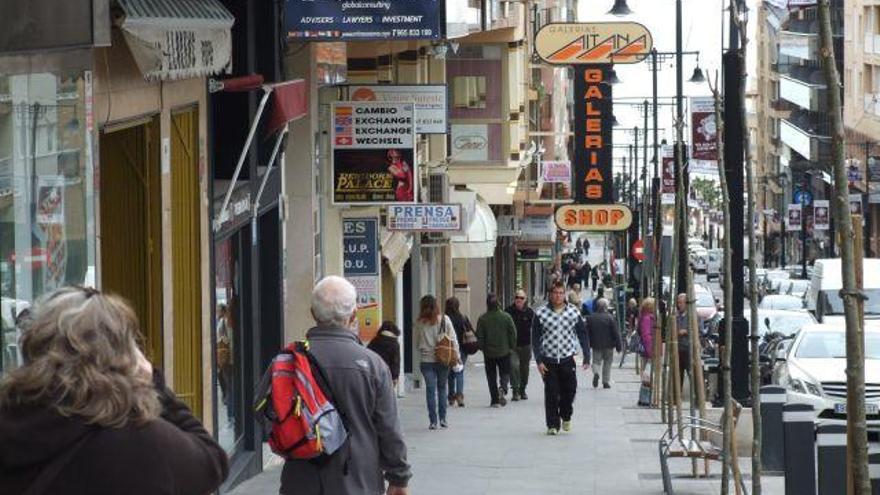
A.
pixel 593 43
pixel 593 218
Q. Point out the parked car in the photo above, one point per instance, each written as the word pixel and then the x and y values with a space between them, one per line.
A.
pixel 699 258
pixel 705 304
pixel 797 287
pixel 823 297
pixel 782 321
pixel 713 263
pixel 774 280
pixel 781 301
pixel 813 368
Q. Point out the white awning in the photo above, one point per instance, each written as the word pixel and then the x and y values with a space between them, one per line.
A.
pixel 177 39
pixel 396 249
pixel 479 239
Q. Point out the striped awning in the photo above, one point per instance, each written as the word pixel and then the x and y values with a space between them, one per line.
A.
pixel 177 39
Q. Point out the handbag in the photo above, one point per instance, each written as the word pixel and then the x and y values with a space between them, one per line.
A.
pixel 635 344
pixel 469 343
pixel 445 352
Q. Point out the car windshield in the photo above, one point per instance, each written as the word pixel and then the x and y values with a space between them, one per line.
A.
pixel 799 286
pixel 832 304
pixel 782 302
pixel 778 275
pixel 705 299
pixel 786 323
pixel 832 345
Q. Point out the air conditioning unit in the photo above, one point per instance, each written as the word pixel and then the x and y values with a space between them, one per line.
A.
pixel 438 192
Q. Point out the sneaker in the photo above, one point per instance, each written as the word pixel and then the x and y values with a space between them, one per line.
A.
pixel 566 426
pixel 595 381
pixel 606 385
pixel 523 395
pixel 515 397
pixel 433 426
pixel 502 401
pixel 443 424
pixel 552 432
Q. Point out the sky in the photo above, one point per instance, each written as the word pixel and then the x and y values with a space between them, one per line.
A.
pixel 702 31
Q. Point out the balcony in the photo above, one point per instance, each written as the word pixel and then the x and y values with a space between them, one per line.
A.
pixel 804 46
pixel 806 135
pixel 805 87
pixel 872 104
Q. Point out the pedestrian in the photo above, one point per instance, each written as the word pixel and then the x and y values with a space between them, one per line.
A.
pixel 589 306
pixel 574 296
pixel 604 337
pixel 646 327
pixel 557 329
pixel 497 335
pixel 684 341
pixel 584 274
pixel 522 316
pixel 573 277
pixel 87 413
pixel 460 324
pixel 586 246
pixel 362 391
pixel 594 276
pixel 431 326
pixel 632 314
pixel 386 344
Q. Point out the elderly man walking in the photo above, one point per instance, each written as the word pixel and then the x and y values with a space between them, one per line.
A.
pixel 522 316
pixel 362 390
pixel 557 329
pixel 604 334
pixel 497 336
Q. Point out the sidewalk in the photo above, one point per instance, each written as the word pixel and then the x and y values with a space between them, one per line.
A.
pixel 612 448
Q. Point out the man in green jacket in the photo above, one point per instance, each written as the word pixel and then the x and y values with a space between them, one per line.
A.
pixel 497 336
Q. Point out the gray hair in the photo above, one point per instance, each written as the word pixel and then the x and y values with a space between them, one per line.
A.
pixel 334 300
pixel 602 305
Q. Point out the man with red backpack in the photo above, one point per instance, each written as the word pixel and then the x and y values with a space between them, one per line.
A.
pixel 354 386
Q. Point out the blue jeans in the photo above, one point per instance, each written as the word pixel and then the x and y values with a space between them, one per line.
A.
pixel 435 389
pixel 456 380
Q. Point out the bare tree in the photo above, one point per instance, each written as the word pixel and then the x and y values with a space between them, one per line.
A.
pixel 852 297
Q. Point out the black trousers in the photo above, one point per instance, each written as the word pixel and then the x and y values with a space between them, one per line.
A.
pixel 494 368
pixel 560 385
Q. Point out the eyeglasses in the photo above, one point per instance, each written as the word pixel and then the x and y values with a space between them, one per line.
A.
pixel 519 298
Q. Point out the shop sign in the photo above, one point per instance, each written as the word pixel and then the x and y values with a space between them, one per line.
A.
pixel 429 101
pixel 332 20
pixel 373 153
pixel 593 43
pixel 556 172
pixel 425 218
pixel 793 223
pixel 470 142
pixel 594 218
pixel 369 305
pixel 360 246
pixel 704 132
pixel 508 226
pixel 537 226
pixel 164 52
pixel 667 186
pixel 593 160
pixel 821 214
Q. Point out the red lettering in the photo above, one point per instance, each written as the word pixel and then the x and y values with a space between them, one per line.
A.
pixel 592 111
pixel 594 125
pixel 593 92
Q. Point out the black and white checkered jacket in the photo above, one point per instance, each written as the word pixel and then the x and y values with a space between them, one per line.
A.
pixel 556 335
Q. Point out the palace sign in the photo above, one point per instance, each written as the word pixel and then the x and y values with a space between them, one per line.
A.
pixel 593 43
pixel 593 173
pixel 597 218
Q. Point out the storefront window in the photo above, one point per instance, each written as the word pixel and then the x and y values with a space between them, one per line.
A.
pixel 228 343
pixel 46 195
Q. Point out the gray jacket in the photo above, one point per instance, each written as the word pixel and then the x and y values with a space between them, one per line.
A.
pixel 362 390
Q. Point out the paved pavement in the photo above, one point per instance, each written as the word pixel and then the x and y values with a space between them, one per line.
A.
pixel 612 448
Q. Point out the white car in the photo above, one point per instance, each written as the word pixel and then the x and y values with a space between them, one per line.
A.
pixel 713 263
pixel 699 258
pixel 781 301
pixel 813 368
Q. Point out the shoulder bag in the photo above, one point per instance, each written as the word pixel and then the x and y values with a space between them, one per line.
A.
pixel 445 352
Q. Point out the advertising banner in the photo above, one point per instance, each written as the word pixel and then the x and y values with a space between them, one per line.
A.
pixel 332 20
pixel 821 214
pixel 50 200
pixel 556 172
pixel 793 220
pixel 667 186
pixel 425 218
pixel 52 231
pixel 593 43
pixel 374 153
pixel 470 142
pixel 369 305
pixel 593 160
pixel 855 204
pixel 704 135
pixel 429 101
pixel 361 264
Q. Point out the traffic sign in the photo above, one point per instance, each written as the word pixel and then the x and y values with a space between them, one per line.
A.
pixel 638 250
pixel 803 195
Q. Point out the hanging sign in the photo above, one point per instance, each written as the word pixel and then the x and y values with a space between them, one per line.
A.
pixel 593 160
pixel 425 218
pixel 821 214
pixel 667 187
pixel 429 101
pixel 793 223
pixel 373 153
pixel 855 204
pixel 594 218
pixel 360 246
pixel 335 20
pixel 593 43
pixel 704 136
pixel 556 172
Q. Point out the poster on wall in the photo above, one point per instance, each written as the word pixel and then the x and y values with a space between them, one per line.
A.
pixel 704 135
pixel 50 229
pixel 50 200
pixel 332 20
pixel 667 186
pixel 855 204
pixel 793 220
pixel 556 171
pixel 361 266
pixel 593 150
pixel 373 153
pixel 429 100
pixel 469 142
pixel 821 214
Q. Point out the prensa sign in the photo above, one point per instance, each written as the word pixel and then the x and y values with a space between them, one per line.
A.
pixel 425 218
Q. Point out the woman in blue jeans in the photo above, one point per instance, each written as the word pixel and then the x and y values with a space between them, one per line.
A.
pixel 430 326
pixel 460 323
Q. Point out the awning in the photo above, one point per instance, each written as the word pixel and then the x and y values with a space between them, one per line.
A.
pixel 177 39
pixel 479 240
pixel 396 248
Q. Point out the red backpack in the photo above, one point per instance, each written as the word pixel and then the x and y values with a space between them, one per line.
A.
pixel 297 407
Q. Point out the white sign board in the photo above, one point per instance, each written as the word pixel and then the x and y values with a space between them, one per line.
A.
pixel 425 218
pixel 556 172
pixel 539 226
pixel 470 142
pixel 429 102
pixel 821 214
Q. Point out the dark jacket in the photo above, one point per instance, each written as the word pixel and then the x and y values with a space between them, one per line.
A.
pixel 603 331
pixel 460 323
pixel 361 387
pixel 496 333
pixel 523 321
pixel 386 345
pixel 171 455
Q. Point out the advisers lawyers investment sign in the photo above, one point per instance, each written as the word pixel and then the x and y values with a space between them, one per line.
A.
pixel 332 20
pixel 373 153
pixel 593 43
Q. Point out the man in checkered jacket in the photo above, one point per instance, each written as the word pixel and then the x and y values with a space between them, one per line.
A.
pixel 557 331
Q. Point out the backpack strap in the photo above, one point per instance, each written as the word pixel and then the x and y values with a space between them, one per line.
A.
pixel 54 468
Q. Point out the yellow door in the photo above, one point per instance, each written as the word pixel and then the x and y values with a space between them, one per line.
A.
pixel 186 259
pixel 131 226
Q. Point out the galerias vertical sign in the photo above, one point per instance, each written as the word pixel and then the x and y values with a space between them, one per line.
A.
pixel 593 174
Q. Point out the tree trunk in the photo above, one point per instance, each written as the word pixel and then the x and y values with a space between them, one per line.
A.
pixel 855 358
pixel 675 370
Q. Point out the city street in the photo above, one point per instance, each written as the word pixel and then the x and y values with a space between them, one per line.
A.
pixel 612 448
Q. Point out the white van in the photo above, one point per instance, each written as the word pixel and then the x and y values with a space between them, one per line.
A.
pixel 713 264
pixel 823 297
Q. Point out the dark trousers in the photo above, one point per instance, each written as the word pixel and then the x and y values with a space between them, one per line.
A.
pixel 684 365
pixel 560 385
pixel 519 372
pixel 494 368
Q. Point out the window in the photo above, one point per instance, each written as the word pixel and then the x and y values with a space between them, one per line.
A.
pixel 469 92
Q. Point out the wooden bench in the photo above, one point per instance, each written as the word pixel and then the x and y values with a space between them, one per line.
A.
pixel 688 446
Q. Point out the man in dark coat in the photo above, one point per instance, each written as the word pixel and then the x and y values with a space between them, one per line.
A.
pixel 604 336
pixel 522 316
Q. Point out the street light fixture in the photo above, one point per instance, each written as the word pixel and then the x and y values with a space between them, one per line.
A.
pixel 614 121
pixel 698 76
pixel 612 77
pixel 620 8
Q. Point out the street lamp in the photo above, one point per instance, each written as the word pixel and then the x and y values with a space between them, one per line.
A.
pixel 620 8
pixel 612 77
pixel 698 76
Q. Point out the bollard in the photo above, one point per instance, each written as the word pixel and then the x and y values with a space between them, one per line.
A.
pixel 831 457
pixel 874 471
pixel 772 438
pixel 800 454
